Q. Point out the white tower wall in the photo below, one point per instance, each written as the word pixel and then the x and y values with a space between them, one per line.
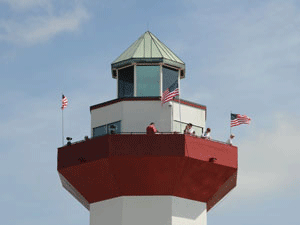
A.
pixel 148 210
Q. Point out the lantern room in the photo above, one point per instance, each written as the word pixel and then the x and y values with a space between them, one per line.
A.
pixel 147 68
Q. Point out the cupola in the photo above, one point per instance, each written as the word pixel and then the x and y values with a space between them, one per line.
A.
pixel 147 68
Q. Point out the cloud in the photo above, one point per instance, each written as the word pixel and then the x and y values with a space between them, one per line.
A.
pixel 248 40
pixel 261 42
pixel 269 160
pixel 26 4
pixel 243 58
pixel 268 165
pixel 34 29
pixel 250 54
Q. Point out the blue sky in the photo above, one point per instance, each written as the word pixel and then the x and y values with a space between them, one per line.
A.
pixel 240 55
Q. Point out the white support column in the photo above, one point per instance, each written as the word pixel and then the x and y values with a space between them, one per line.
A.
pixel 161 79
pixel 134 80
pixel 179 83
pixel 148 210
pixel 117 83
pixel 181 130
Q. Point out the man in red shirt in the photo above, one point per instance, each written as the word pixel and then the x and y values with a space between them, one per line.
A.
pixel 151 129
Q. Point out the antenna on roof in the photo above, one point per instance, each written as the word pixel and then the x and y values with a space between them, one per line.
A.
pixel 147 26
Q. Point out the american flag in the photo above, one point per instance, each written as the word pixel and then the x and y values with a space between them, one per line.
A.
pixel 64 102
pixel 170 93
pixel 237 119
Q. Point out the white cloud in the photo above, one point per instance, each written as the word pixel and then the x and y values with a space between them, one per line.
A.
pixel 259 42
pixel 269 160
pixel 268 165
pixel 248 41
pixel 35 29
pixel 26 4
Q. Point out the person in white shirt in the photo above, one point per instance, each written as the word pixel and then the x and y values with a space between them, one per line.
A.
pixel 229 141
pixel 189 129
pixel 206 134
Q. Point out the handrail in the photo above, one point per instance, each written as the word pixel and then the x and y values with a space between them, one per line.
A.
pixel 144 133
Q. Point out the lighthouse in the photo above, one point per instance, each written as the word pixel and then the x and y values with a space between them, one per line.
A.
pixel 125 176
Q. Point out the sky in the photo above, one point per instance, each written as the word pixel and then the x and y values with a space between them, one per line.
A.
pixel 240 56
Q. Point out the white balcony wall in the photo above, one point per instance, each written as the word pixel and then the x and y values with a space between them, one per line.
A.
pixel 106 114
pixel 189 114
pixel 135 116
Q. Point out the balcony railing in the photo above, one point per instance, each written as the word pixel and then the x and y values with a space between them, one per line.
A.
pixel 144 133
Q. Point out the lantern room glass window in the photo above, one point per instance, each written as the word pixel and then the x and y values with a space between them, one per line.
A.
pixel 125 82
pixel 170 76
pixel 147 81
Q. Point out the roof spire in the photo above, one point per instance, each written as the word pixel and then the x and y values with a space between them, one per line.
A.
pixel 148 49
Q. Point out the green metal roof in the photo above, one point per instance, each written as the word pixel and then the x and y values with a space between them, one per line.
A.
pixel 148 48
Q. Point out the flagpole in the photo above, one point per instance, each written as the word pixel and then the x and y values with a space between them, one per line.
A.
pixel 230 122
pixel 180 112
pixel 179 91
pixel 172 118
pixel 62 121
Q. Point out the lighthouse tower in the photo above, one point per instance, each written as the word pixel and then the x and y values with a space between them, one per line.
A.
pixel 124 176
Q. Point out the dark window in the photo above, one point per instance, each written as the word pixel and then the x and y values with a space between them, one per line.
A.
pixel 125 82
pixel 99 131
pixel 111 128
pixel 170 76
pixel 114 127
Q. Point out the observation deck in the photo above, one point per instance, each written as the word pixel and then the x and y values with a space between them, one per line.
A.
pixel 134 164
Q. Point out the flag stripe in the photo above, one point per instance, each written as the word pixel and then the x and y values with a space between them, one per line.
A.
pixel 168 96
pixel 237 119
pixel 64 102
